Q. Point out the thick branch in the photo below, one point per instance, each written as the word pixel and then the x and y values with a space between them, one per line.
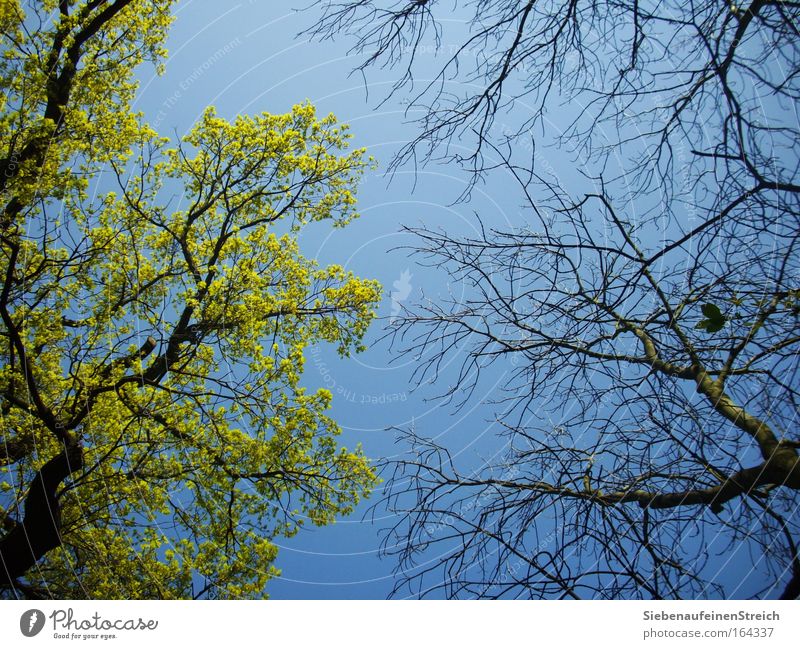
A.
pixel 740 483
pixel 40 530
pixel 59 88
pixel 792 590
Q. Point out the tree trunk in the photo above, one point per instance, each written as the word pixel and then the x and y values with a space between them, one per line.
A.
pixel 40 531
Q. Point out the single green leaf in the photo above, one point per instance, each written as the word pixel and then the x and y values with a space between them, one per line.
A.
pixel 712 312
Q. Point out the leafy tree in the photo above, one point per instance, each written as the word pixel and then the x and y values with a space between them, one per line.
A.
pixel 644 313
pixel 155 307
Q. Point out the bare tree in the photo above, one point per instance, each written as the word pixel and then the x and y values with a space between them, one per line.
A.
pixel 647 322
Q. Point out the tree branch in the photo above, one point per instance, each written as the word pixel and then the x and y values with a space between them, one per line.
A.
pixel 40 530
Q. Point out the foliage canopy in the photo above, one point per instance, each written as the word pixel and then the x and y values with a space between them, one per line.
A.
pixel 155 309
